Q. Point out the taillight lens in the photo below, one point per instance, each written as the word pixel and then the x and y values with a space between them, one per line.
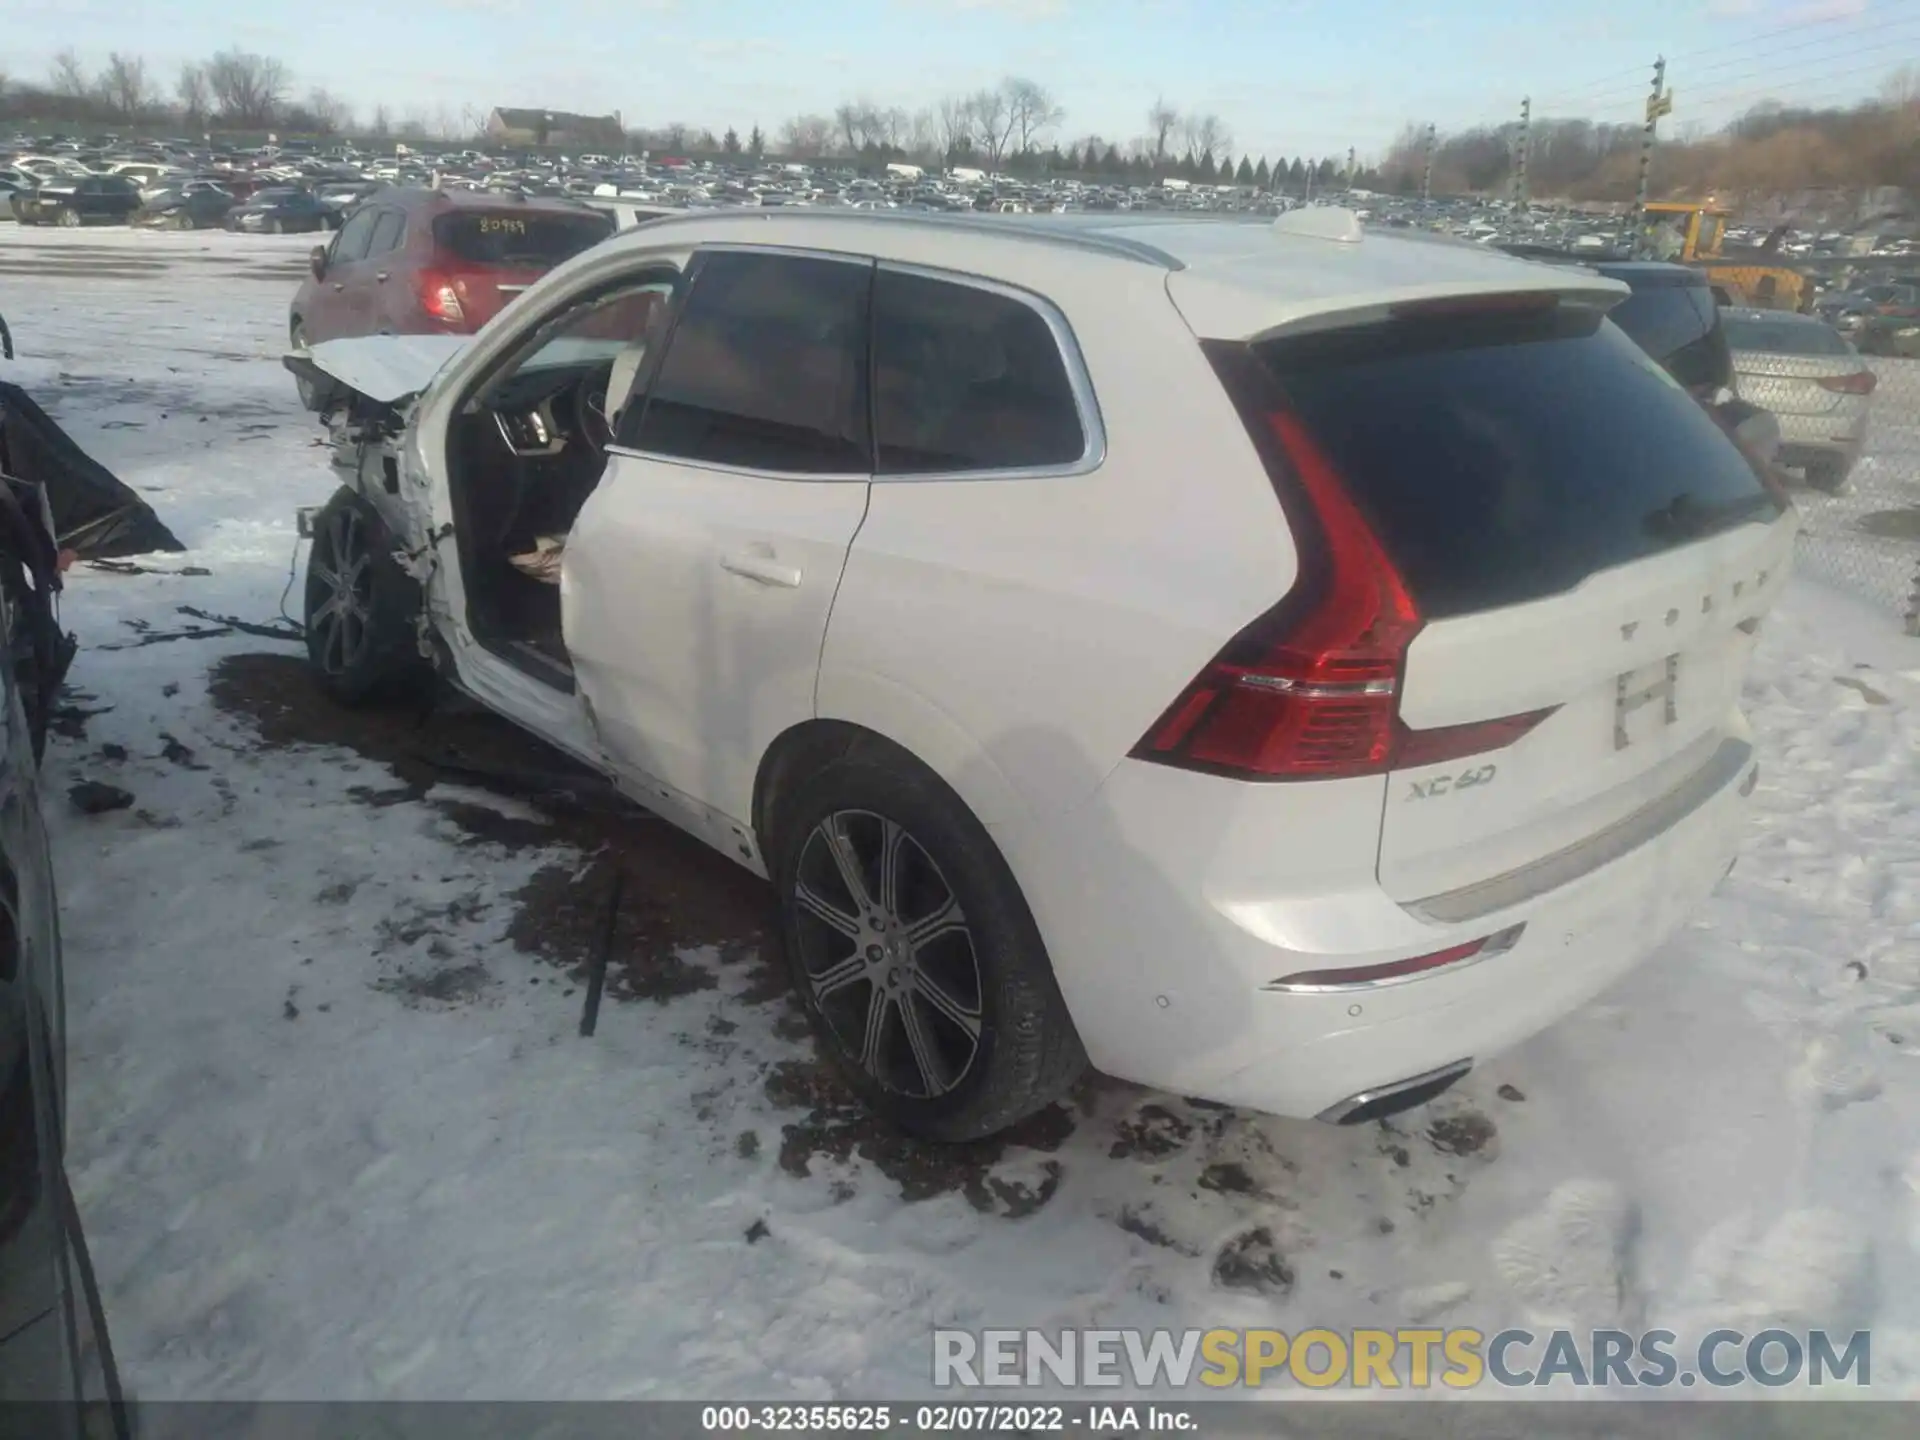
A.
pixel 1310 690
pixel 1859 383
pixel 440 297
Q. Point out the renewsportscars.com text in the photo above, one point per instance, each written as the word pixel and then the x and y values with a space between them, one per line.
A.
pixel 1457 1359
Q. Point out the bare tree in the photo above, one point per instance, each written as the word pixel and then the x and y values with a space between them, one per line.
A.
pixel 673 138
pixel 330 113
pixel 1162 119
pixel 806 137
pixel 382 121
pixel 993 122
pixel 1034 111
pixel 191 90
pixel 249 89
pixel 1204 136
pixel 953 125
pixel 67 76
pixel 125 87
pixel 921 128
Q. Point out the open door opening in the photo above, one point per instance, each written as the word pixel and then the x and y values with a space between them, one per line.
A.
pixel 526 451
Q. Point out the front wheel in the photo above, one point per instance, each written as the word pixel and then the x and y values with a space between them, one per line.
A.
pixel 914 952
pixel 70 219
pixel 361 607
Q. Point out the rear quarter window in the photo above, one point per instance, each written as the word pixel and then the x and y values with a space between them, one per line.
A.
pixel 1505 459
pixel 510 240
pixel 967 379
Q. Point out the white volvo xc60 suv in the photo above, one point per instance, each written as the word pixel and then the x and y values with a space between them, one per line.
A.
pixel 1275 664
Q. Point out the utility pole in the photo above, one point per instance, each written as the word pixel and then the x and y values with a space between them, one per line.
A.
pixel 1659 103
pixel 1426 175
pixel 1522 144
pixel 1350 170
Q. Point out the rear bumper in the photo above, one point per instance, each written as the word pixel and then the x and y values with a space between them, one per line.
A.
pixel 1168 928
pixel 1834 437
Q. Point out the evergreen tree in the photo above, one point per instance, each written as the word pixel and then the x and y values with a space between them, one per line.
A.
pixel 1327 172
pixel 1296 173
pixel 1262 176
pixel 1225 168
pixel 1204 171
pixel 1244 174
pixel 730 142
pixel 756 143
pixel 1111 162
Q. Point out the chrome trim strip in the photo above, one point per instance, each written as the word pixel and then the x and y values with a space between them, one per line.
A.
pixel 1496 944
pixel 837 478
pixel 1334 1114
pixel 1563 867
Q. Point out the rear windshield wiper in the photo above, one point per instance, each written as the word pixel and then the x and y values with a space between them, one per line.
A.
pixel 1685 518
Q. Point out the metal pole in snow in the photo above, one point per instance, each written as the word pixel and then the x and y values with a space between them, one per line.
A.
pixel 1426 175
pixel 1658 104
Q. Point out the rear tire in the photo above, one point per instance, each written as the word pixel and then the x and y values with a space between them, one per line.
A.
pixel 362 609
pixel 70 219
pixel 1831 477
pixel 924 974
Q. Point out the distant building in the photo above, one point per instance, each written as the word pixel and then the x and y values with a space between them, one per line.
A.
pixel 554 127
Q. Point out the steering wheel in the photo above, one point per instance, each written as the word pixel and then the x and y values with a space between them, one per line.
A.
pixel 590 412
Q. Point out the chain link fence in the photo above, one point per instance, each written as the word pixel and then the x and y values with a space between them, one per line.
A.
pixel 1865 539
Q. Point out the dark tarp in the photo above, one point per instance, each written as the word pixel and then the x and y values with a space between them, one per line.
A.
pixel 94 514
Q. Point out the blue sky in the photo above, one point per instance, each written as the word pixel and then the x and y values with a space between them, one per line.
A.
pixel 1287 76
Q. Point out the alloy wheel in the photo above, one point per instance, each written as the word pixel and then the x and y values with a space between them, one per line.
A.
pixel 342 565
pixel 887 954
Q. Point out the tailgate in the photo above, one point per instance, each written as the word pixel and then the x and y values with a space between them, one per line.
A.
pixel 1588 556
pixel 1640 668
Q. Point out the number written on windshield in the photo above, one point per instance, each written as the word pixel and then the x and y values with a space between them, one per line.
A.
pixel 492 225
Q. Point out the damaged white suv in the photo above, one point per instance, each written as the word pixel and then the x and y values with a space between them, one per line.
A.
pixel 1277 665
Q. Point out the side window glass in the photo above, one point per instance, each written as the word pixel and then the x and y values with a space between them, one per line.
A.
pixel 767 368
pixel 967 379
pixel 387 232
pixel 354 235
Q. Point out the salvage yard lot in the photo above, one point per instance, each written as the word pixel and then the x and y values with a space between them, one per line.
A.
pixel 335 1134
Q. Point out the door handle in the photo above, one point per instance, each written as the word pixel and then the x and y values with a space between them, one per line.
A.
pixel 763 568
pixel 339 284
pixel 381 277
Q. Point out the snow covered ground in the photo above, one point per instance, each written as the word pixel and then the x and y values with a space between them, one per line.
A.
pixel 335 1134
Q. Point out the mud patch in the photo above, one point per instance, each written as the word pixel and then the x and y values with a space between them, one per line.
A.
pixel 447 985
pixel 678 893
pixel 1152 1133
pixel 1468 1133
pixel 1252 1262
pixel 561 917
pixel 1139 1221
pixel 838 1127
pixel 1891 524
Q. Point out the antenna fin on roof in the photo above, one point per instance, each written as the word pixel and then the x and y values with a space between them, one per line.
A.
pixel 1321 222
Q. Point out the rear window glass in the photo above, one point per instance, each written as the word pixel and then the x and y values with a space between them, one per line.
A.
pixel 1679 325
pixel 1785 337
pixel 1506 459
pixel 525 240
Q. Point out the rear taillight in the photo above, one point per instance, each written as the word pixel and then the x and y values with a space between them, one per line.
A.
pixel 440 297
pixel 1310 690
pixel 1859 383
pixel 1304 692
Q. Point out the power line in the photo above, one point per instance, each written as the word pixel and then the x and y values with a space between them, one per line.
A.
pixel 1610 80
pixel 1849 43
pixel 1792 71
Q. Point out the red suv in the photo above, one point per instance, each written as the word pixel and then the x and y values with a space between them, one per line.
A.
pixel 435 262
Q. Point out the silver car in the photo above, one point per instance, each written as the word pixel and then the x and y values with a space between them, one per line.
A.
pixel 1815 383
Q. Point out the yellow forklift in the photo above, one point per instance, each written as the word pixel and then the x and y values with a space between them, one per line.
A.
pixel 1694 234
